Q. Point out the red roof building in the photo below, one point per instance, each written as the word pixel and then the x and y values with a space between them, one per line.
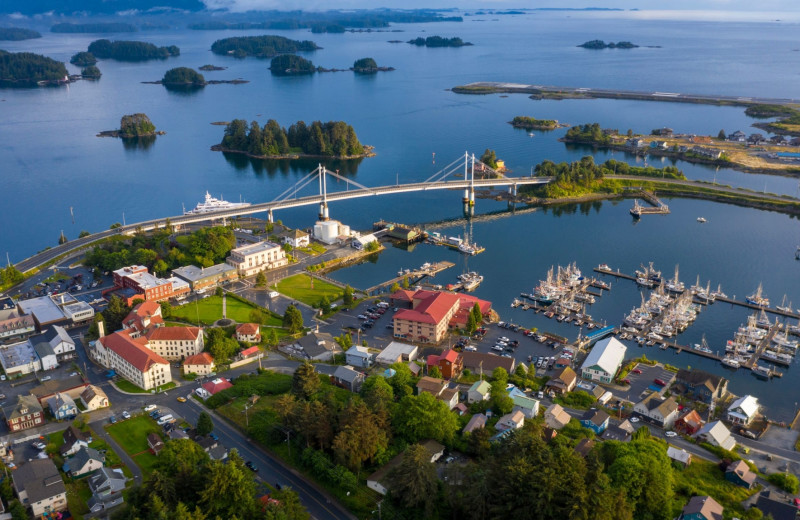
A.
pixel 201 364
pixel 249 352
pixel 432 313
pixel 175 343
pixel 146 286
pixel 690 423
pixel 249 332
pixel 449 362
pixel 131 359
pixel 217 385
pixel 142 318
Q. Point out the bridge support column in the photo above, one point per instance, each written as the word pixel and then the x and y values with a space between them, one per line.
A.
pixel 465 199
pixel 323 212
pixel 270 217
pixel 469 210
pixel 515 190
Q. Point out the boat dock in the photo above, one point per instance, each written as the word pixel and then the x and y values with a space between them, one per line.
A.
pixel 402 232
pixel 760 348
pixel 414 276
pixel 658 206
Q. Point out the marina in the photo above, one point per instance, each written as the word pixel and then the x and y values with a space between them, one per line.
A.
pixel 413 276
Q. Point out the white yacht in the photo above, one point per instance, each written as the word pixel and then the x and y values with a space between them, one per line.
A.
pixel 210 204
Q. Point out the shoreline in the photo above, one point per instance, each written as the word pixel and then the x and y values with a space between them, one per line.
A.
pixel 368 152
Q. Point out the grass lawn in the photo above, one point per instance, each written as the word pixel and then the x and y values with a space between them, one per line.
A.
pixel 298 287
pixel 234 410
pixel 78 494
pixel 706 478
pixel 127 386
pixel 132 434
pixel 209 310
pixel 146 461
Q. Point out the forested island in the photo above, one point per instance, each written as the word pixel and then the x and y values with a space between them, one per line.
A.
pixel 600 44
pixel 183 76
pixel 15 34
pixel 133 126
pixel 206 68
pixel 97 27
pixel 334 139
pixel 83 59
pixel 91 72
pixel 260 46
pixel 26 69
pixel 131 50
pixel 530 123
pixel 291 65
pixel 368 66
pixel 438 41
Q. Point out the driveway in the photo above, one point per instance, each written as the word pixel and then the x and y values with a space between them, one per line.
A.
pixel 642 384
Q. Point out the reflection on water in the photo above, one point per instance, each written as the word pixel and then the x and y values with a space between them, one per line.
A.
pixel 184 90
pixel 132 144
pixel 302 166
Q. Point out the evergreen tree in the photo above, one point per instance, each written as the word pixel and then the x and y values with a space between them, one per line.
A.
pixel 293 319
pixel 414 481
pixel 305 382
pixel 204 424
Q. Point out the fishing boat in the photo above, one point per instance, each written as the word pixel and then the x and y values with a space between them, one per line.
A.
pixel 730 362
pixel 701 220
pixel 605 267
pixel 675 285
pixel 470 249
pixel 649 273
pixel 210 204
pixel 718 293
pixel 783 307
pixel 705 295
pixel 757 299
pixel 762 372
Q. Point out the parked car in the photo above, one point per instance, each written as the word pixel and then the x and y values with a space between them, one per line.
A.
pixel 636 371
pixel 362 317
pixel 126 415
pixel 39 445
pixel 46 378
pixel 112 419
pixel 659 382
pixel 252 467
pixel 634 419
pixel 149 408
pixel 470 348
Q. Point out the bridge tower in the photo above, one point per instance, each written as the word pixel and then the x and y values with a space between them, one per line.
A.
pixel 323 191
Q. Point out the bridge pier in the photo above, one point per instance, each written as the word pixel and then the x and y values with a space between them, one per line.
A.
pixel 270 217
pixel 469 210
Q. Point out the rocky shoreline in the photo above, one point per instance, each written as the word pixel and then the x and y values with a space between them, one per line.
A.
pixel 368 152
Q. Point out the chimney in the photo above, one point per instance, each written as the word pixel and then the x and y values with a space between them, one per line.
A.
pixel 101 329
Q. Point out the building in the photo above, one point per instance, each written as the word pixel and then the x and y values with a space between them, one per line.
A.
pixel 604 360
pixel 348 378
pixel 74 440
pixel 62 406
pixel 13 322
pixel 479 391
pixel 217 385
pixel 702 508
pixel 27 413
pixel 689 423
pixel 296 238
pixel 248 333
pixel 314 346
pixel 596 420
pixel 562 382
pixel 449 363
pixel 511 421
pixel 617 433
pixel 83 462
pixel 57 309
pixel 432 313
pixel 377 481
pixel 94 398
pixel 62 343
pixel 658 411
pixel 396 352
pixel 681 456
pixel 716 434
pixel 529 407
pixel 175 343
pixel 106 485
pixel 361 242
pixel 46 354
pixel 131 359
pixel 476 422
pixel 255 258
pixel 740 474
pixel 776 509
pixel 358 356
pixel 201 278
pixel 142 318
pixel 481 363
pixel 700 385
pixel 556 417
pixel 450 397
pixel 737 136
pixel 201 364
pixel 155 442
pixel 39 486
pixel 252 352
pixel 146 286
pixel 19 358
pixel 72 386
pixel 743 410
pixel 431 385
pixel 331 231
pixel 584 447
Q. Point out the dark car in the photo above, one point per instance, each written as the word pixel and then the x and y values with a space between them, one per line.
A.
pixel 252 467
pixel 214 436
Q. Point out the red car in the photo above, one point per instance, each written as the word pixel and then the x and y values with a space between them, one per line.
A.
pixel 659 382
pixel 626 381
pixel 636 371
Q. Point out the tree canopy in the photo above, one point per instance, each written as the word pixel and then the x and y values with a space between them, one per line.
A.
pixel 220 345
pixel 290 65
pixel 293 319
pixel 334 139
pixel 25 69
pixel 260 46
pixel 17 34
pixel 83 59
pixel 91 72
pixel 131 50
pixel 438 41
pixel 365 65
pixel 136 125
pixel 183 76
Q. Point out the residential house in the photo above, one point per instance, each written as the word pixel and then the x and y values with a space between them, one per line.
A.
pixel 737 136
pixel 377 481
pixel 596 420
pixel 702 508
pixel 479 391
pixel 476 422
pixel 431 385
pixel 716 434
pixel 72 386
pixel 131 359
pixel 201 364
pixel 45 353
pixel 657 410
pixel 74 440
pixel 253 351
pixel 13 321
pixel 556 417
pixel 217 385
pixel 689 423
pixel 603 360
pixel 740 474
pixel 84 461
pixel 106 485
pixel 634 143
pixel 700 385
pixel 396 352
pixel 776 509
pixel 248 332
pixel 449 362
pixel 563 362
pixel 680 456
pixel 416 370
pixel 482 363
pixel 94 398
pixel 26 414
pixel 254 258
pixel 175 343
pixel 212 447
pixel 584 446
pixel 450 397
pixel 296 238
pixel 616 433
pixel 358 356
pixel 562 382
pixel 659 145
pixel 511 421
pixel 756 138
pixel 315 346
pixel 529 407
pixel 348 378
pixel 155 442
pixel 62 406
pixel 743 410
pixel 39 486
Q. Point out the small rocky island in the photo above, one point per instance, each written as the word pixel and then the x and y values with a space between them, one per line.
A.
pixel 183 78
pixel 83 59
pixel 207 68
pixel 438 41
pixel 368 66
pixel 291 65
pixel 530 123
pixel 91 72
pixel 133 126
pixel 600 44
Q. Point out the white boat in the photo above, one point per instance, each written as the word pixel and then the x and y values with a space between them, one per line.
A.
pixel 757 299
pixel 730 362
pixel 210 204
pixel 605 267
pixel 783 307
pixel 701 220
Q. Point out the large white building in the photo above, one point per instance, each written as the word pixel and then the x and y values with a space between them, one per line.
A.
pixel 330 231
pixel 604 360
pixel 254 258
pixel 175 343
pixel 131 359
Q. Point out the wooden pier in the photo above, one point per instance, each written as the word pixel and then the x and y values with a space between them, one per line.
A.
pixel 659 208
pixel 760 348
pixel 414 276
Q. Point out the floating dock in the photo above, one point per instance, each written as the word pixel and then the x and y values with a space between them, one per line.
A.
pixel 414 276
pixel 659 208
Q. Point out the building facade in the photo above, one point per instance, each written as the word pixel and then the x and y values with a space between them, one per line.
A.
pixel 148 286
pixel 28 413
pixel 254 258
pixel 175 343
pixel 131 359
pixel 201 364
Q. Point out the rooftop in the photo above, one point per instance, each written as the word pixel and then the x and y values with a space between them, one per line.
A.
pixel 40 480
pixel 44 309
pixel 132 350
pixel 174 333
pixel 607 354
pixel 203 358
pixel 17 355
pixel 194 273
pixel 252 249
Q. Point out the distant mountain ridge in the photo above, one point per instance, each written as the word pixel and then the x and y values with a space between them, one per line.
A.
pixel 29 8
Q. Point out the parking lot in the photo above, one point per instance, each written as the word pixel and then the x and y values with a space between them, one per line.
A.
pixel 528 347
pixel 643 383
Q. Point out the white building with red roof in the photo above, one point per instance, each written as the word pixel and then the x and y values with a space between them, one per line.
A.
pixel 143 317
pixel 432 313
pixel 175 343
pixel 131 359
pixel 217 385
pixel 201 364
pixel 248 332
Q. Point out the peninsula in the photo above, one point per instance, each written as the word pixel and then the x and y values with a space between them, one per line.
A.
pixel 530 123
pixel 438 41
pixel 260 46
pixel 334 140
pixel 15 34
pixel 133 126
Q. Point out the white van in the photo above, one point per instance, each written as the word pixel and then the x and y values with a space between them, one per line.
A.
pixel 273 294
pixel 164 419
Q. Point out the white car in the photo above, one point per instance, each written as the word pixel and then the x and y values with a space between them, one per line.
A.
pixel 149 408
pixel 634 419
pixel 126 415
pixel 470 349
pixel 46 378
pixel 671 434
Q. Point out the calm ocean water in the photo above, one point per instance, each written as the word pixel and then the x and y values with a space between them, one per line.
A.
pixel 52 161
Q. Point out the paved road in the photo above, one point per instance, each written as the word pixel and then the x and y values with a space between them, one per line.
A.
pixel 705 185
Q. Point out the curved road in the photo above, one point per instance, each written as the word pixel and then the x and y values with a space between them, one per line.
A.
pixel 705 185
